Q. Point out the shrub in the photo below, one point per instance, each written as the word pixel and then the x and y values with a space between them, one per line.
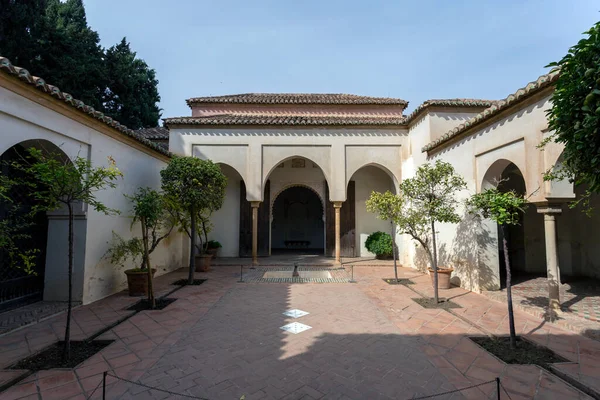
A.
pixel 379 243
pixel 213 244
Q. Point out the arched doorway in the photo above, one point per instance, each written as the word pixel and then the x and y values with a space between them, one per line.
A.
pixel 16 286
pixel 525 240
pixel 364 181
pixel 297 222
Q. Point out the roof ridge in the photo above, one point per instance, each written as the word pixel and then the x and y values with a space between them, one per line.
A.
pixel 21 73
pixel 297 98
pixel 528 90
pixel 455 102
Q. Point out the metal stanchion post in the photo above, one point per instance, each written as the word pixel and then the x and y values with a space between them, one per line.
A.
pixel 498 387
pixel 241 273
pixel 104 385
pixel 352 276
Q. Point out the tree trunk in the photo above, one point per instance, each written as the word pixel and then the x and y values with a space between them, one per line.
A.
pixel 394 250
pixel 67 345
pixel 151 299
pixel 192 247
pixel 435 264
pixel 511 315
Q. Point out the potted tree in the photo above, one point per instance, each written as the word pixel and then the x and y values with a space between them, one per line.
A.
pixel 431 198
pixel 195 188
pixel 424 199
pixel 380 243
pixel 151 210
pixel 124 252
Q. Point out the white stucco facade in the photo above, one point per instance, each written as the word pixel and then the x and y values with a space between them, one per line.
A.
pixel 334 151
pixel 30 118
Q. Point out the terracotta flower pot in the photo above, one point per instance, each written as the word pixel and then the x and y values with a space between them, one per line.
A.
pixel 444 275
pixel 203 262
pixel 212 251
pixel 137 281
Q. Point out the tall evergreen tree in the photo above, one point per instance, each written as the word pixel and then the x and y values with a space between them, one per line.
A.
pixel 74 60
pixel 132 95
pixel 21 27
pixel 52 39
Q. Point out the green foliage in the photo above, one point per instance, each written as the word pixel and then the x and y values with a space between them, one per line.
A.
pixel 574 118
pixel 193 186
pixel 64 181
pixel 386 205
pixel 13 228
pixel 132 95
pixel 151 207
pixel 213 244
pixel 51 39
pixel 379 243
pixel 122 251
pixel 193 182
pixel 433 191
pixel 502 207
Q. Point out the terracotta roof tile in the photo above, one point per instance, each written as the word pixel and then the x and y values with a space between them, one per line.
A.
pixel 530 89
pixel 297 98
pixel 24 75
pixel 476 103
pixel 289 119
pixel 158 133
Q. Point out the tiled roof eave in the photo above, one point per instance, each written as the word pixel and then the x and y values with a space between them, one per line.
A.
pixel 288 121
pixel 531 89
pixel 39 83
pixel 448 103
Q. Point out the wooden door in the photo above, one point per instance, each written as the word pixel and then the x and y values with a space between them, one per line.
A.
pixel 347 224
pixel 246 223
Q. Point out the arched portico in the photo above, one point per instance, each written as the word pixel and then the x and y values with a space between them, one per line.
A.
pixel 45 237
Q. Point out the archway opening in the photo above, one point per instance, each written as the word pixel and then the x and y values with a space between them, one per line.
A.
pixel 366 180
pixel 297 222
pixel 18 287
pixel 526 240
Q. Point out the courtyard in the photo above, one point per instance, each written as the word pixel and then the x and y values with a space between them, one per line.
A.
pixel 369 339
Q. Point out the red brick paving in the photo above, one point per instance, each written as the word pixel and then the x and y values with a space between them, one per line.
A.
pixel 369 340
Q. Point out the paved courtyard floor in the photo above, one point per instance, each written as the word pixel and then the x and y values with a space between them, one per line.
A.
pixel 367 340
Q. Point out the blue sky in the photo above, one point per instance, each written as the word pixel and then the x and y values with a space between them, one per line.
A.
pixel 414 50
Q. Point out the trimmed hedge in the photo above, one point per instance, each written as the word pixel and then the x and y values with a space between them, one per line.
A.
pixel 380 243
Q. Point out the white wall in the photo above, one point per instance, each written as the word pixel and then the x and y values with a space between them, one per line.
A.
pixel 23 119
pixel 226 221
pixel 368 180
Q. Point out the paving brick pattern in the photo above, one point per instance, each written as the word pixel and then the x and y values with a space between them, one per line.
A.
pixel 257 275
pixel 581 298
pixel 580 303
pixel 221 340
pixel 29 314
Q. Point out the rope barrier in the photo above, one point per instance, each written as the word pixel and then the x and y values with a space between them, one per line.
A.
pixel 497 380
pixel 157 389
pixel 96 388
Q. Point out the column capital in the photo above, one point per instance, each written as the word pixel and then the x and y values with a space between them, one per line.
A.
pixel 255 204
pixel 554 209
pixel 337 204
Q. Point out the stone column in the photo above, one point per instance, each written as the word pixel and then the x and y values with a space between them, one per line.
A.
pixel 255 205
pixel 552 267
pixel 336 206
